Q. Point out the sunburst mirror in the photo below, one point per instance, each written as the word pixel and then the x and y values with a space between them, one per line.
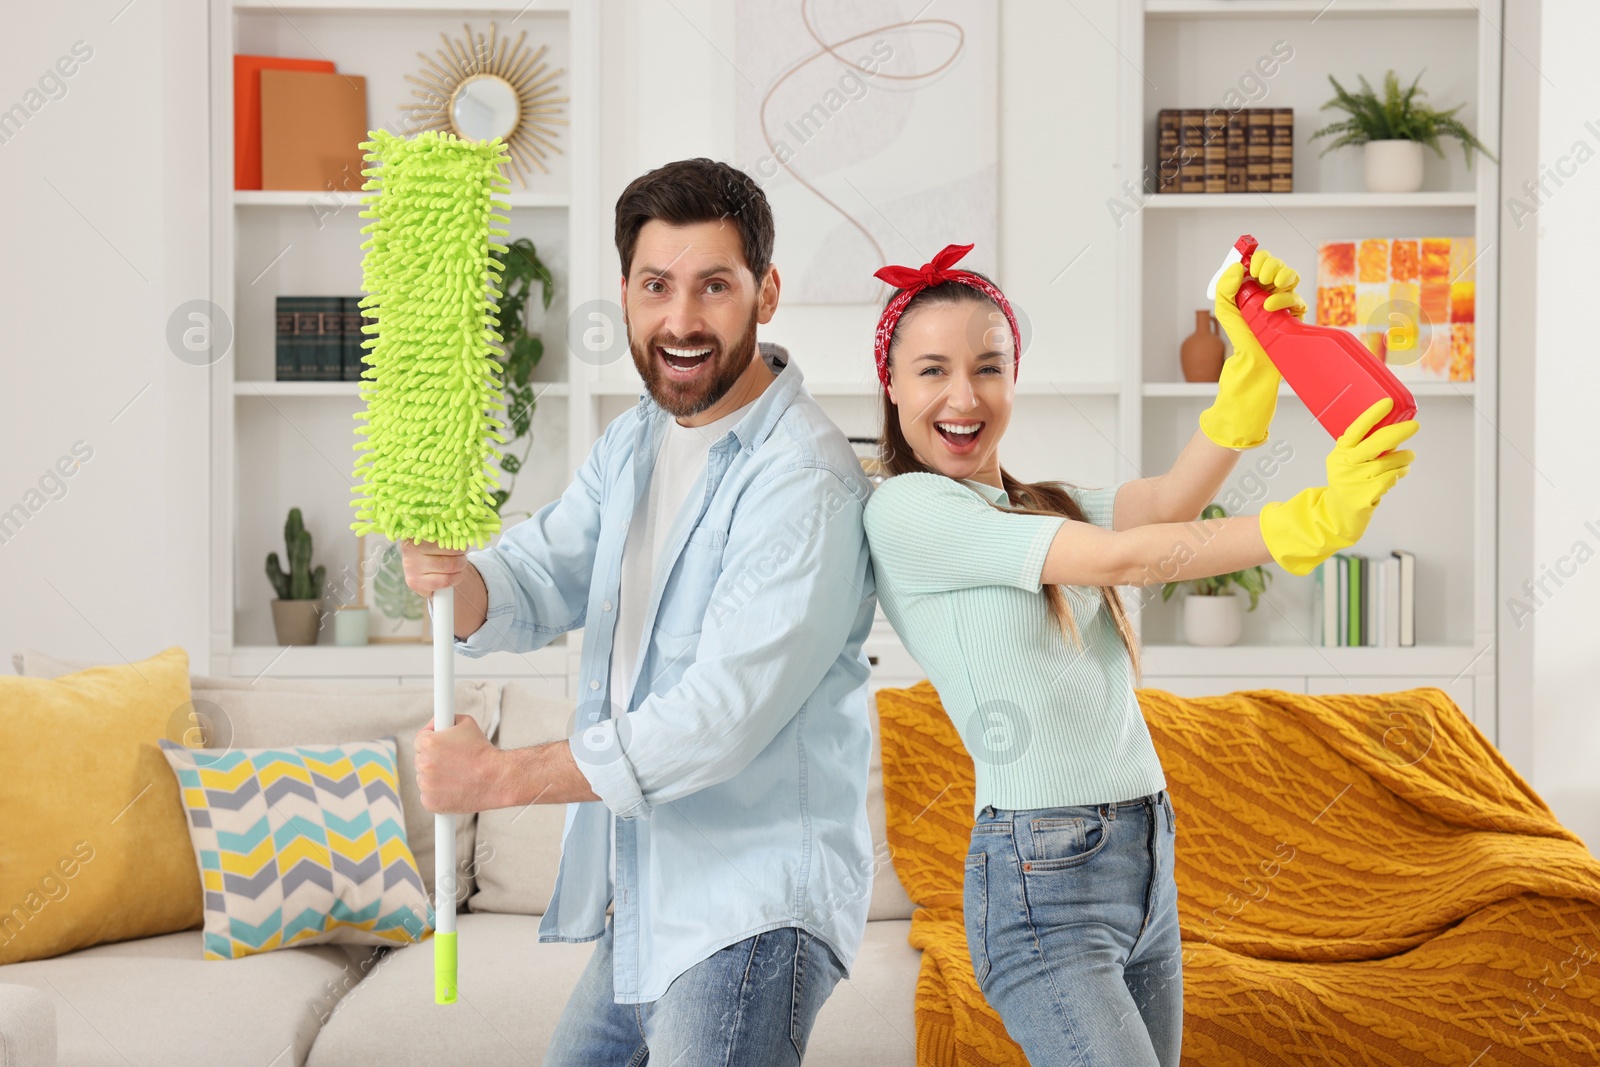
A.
pixel 486 88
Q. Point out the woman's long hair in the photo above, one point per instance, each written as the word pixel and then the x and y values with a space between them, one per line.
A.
pixel 1031 498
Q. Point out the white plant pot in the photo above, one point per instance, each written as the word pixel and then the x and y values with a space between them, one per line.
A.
pixel 1212 621
pixel 1393 166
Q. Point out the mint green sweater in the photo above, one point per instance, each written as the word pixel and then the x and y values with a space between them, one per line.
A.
pixel 1047 725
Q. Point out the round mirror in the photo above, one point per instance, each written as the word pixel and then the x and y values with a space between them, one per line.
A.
pixel 484 107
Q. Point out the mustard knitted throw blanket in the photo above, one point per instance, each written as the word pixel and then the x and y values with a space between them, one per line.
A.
pixel 1362 879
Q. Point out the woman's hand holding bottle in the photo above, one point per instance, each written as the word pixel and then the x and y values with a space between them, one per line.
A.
pixel 1309 527
pixel 1247 391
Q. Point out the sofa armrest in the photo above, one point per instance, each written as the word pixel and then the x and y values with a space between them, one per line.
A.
pixel 27 1027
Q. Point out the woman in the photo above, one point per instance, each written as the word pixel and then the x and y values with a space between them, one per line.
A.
pixel 1005 593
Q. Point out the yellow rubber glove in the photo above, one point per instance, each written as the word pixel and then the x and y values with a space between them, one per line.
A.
pixel 1309 527
pixel 1247 392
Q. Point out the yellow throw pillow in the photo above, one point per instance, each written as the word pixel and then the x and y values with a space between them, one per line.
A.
pixel 96 846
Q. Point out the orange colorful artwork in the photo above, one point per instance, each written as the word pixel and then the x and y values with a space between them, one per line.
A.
pixel 1410 300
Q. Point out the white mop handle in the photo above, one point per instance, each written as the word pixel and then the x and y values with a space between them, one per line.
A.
pixel 444 826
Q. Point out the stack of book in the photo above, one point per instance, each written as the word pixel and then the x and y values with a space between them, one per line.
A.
pixel 1249 150
pixel 319 338
pixel 1366 600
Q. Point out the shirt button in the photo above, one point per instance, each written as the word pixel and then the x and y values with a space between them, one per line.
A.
pixel 594 683
pixel 606 606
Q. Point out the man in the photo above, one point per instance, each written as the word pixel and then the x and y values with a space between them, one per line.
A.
pixel 712 548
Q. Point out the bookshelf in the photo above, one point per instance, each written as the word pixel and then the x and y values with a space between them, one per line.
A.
pixel 277 445
pixel 1447 517
pixel 1102 403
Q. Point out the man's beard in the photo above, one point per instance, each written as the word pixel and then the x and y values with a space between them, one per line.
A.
pixel 683 399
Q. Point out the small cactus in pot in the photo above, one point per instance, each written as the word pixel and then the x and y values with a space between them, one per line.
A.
pixel 297 612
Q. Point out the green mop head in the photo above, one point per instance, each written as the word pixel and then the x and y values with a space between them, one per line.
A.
pixel 431 382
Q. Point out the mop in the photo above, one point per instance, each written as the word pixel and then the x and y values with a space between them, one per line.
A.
pixel 431 387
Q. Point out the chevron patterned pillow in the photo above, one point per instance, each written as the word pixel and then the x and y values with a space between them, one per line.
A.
pixel 300 846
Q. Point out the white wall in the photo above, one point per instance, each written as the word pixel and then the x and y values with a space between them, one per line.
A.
pixel 104 187
pixel 1566 459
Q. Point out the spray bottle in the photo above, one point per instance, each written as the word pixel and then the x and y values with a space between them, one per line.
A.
pixel 1330 369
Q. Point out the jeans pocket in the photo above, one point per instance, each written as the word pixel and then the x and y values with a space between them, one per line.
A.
pixel 1172 818
pixel 1053 842
pixel 975 910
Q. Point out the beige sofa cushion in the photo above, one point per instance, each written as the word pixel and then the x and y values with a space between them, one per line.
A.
pixel 870 1020
pixel 518 849
pixel 271 711
pixel 511 990
pixel 156 1000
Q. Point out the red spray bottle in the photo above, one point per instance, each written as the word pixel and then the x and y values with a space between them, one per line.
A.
pixel 1330 369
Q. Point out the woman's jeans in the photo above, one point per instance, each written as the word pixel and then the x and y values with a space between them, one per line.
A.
pixel 751 1003
pixel 1072 925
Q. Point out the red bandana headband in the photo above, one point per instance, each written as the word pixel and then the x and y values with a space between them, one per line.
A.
pixel 911 282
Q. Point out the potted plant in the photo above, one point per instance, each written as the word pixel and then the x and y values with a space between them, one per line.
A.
pixel 520 350
pixel 296 614
pixel 1394 129
pixel 1212 614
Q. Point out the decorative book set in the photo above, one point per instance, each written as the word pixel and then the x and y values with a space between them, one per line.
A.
pixel 1249 150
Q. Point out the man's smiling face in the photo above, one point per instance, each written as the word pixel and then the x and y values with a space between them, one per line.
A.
pixel 692 307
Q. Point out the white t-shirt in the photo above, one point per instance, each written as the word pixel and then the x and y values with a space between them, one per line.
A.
pixel 679 473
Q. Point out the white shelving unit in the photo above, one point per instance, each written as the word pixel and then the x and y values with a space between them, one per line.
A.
pixel 278 445
pixel 1201 49
pixel 1119 406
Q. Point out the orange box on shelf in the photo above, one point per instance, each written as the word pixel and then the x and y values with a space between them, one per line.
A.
pixel 312 126
pixel 247 111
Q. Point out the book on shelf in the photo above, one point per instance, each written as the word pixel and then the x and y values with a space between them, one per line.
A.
pixel 318 339
pixel 1354 635
pixel 1191 152
pixel 286 357
pixel 1406 611
pixel 1258 150
pixel 330 338
pixel 1236 153
pixel 1365 601
pixel 1282 150
pixel 1216 152
pixel 1169 120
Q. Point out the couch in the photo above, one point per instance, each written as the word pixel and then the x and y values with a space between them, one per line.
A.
pixel 156 1000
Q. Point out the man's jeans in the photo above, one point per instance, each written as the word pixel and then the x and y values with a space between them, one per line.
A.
pixel 1072 926
pixel 750 1003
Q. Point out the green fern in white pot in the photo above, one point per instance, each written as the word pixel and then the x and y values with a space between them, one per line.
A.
pixel 1392 130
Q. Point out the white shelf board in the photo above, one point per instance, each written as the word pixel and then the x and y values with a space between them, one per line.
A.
pixel 388 661
pixel 1299 661
pixel 349 390
pixel 406 7
pixel 1310 9
pixel 1288 201
pixel 1209 389
pixel 315 198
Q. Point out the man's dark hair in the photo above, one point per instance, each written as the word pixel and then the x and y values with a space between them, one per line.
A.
pixel 697 190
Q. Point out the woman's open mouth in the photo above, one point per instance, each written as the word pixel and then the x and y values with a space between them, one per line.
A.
pixel 961 436
pixel 683 363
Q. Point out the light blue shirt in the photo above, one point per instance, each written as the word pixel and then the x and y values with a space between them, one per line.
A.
pixel 739 773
